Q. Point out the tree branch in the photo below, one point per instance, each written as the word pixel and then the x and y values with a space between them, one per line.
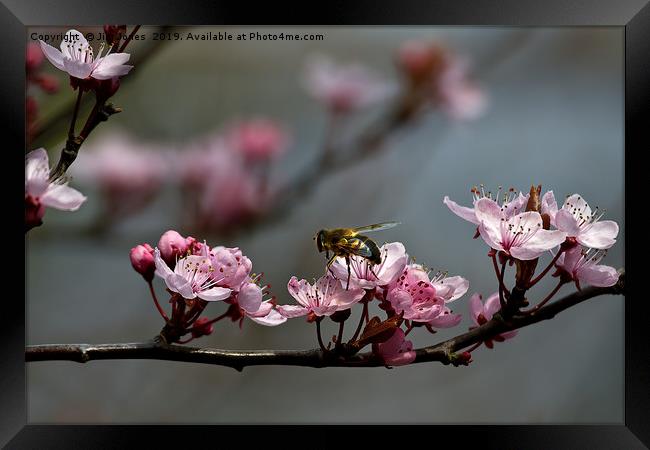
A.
pixel 443 352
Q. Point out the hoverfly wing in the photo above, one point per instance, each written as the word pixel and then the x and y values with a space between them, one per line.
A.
pixel 376 227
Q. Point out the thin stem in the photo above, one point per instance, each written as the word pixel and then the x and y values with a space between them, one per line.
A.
pixel 320 338
pixel 534 281
pixel 501 286
pixel 216 319
pixel 339 339
pixel 363 315
pixel 155 300
pixel 75 113
pixel 126 42
pixel 546 299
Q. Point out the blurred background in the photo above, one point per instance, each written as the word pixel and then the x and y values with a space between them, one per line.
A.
pixel 544 106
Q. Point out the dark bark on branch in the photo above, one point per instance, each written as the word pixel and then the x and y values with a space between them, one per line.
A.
pixel 444 352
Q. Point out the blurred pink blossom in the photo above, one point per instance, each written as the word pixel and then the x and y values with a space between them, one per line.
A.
pixel 258 139
pixel 128 173
pixel 345 87
pixel 444 77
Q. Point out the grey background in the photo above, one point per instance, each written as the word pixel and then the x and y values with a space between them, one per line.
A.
pixel 555 117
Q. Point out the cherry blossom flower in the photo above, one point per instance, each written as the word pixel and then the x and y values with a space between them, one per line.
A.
pixel 423 300
pixel 521 236
pixel 396 351
pixel 578 220
pixel 510 203
pixel 77 59
pixel 482 312
pixel 234 267
pixel 344 88
pixel 323 298
pixel 40 191
pixel 366 275
pixel 258 139
pixel 582 266
pixel 193 276
pixel 250 301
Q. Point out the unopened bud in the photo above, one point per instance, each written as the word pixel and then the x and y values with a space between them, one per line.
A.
pixel 171 245
pixel 142 261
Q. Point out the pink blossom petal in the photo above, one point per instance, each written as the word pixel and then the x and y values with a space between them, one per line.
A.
pixel 112 66
pixel 214 294
pixel 599 275
pixel 488 211
pixel 461 211
pixel 599 235
pixel 63 197
pixel 565 221
pixel 346 298
pixel 446 320
pixel 250 298
pixel 178 283
pixel 491 235
pixel 475 307
pixel 454 288
pixel 549 205
pixel 53 55
pixel 273 318
pixel 77 69
pixel 291 311
pixel 491 306
pixel 72 42
pixel 162 269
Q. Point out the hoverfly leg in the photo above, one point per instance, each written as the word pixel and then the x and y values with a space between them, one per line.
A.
pixel 347 260
pixel 329 265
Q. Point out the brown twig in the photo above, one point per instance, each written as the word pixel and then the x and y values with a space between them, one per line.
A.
pixel 444 352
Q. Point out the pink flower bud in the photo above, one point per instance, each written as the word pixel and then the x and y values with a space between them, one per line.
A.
pixel 142 261
pixel 34 56
pixel 202 327
pixel 171 245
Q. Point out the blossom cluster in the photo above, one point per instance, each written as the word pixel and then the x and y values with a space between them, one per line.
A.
pixel 523 227
pixel 196 274
pixel 403 289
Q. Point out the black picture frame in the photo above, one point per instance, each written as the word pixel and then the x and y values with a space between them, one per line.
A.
pixel 632 15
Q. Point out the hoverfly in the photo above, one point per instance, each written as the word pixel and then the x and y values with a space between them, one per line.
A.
pixel 345 242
